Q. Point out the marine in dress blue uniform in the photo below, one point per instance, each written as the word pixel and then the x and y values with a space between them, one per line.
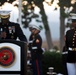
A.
pixel 71 47
pixel 35 43
pixel 10 30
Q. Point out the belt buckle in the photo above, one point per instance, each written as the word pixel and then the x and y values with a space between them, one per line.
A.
pixel 74 49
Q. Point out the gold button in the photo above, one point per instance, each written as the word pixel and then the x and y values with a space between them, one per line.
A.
pixel 73 42
pixel 4 27
pixel 73 39
pixel 12 33
pixel 12 37
pixel 73 49
pixel 73 36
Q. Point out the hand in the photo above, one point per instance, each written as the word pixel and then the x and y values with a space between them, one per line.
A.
pixel 3 35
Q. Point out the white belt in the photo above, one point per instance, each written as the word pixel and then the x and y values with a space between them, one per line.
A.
pixel 72 49
pixel 66 52
pixel 30 42
pixel 34 47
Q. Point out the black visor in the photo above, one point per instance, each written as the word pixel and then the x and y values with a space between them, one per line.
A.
pixel 73 20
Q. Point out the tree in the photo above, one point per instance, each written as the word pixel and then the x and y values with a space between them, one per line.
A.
pixel 62 3
pixel 30 6
pixel 45 22
pixel 63 6
pixel 39 3
pixel 63 15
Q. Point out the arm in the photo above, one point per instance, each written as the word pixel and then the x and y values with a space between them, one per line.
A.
pixel 38 44
pixel 20 34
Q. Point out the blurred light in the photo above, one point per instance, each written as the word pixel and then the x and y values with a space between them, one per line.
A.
pixel 65 7
pixel 68 10
pixel 29 6
pixel 73 1
pixel 24 2
pixel 71 8
pixel 0 7
pixel 15 2
pixel 48 0
pixel 55 3
pixel 32 2
pixel 7 0
pixel 23 19
pixel 29 10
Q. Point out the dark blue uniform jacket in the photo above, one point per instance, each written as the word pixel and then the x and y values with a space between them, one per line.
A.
pixel 11 31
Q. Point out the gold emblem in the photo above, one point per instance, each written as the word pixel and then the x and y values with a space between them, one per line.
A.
pixel 7 56
pixel 12 37
pixel 37 41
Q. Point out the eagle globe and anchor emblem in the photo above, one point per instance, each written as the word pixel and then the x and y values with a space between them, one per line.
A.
pixel 7 56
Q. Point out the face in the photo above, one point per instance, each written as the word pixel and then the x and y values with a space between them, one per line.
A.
pixel 74 24
pixel 5 20
pixel 35 31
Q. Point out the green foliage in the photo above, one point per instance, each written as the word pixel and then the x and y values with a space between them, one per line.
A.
pixel 66 3
pixel 55 47
pixel 35 15
pixel 38 1
pixel 52 59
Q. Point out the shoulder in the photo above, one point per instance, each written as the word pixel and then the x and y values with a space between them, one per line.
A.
pixel 13 23
pixel 39 36
pixel 70 30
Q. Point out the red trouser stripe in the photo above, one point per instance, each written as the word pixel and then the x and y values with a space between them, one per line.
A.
pixel 37 67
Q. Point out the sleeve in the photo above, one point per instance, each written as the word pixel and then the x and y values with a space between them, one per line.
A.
pixel 39 44
pixel 66 42
pixel 64 51
pixel 20 33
